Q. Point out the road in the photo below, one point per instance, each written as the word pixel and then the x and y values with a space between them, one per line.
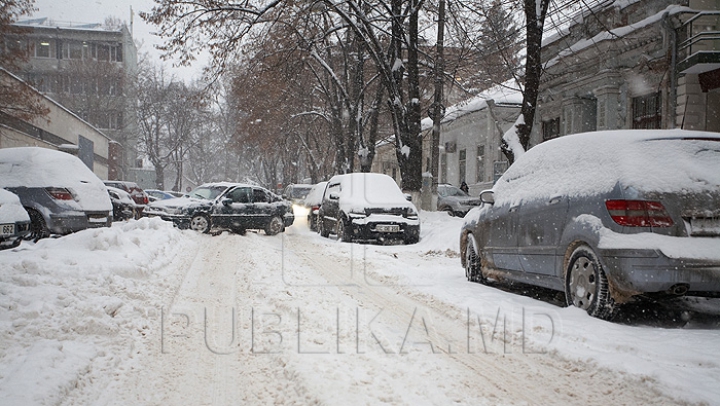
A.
pixel 298 319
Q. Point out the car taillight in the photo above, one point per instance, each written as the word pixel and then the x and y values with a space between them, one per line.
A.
pixel 638 213
pixel 315 208
pixel 59 193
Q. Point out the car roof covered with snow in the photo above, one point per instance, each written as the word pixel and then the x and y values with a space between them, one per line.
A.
pixel 596 162
pixel 42 167
pixel 361 190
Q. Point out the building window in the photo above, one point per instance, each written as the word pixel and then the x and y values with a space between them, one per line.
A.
pixel 480 164
pixel 44 49
pixel 462 165
pixel 647 111
pixel 86 151
pixel 551 128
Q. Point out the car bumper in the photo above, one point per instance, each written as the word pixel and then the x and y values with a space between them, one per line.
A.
pixel 20 230
pixel 385 228
pixel 644 271
pixel 70 223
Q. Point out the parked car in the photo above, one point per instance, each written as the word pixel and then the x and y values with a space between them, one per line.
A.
pixel 455 201
pixel 605 217
pixel 138 195
pixel 60 193
pixel 312 202
pixel 14 220
pixel 233 206
pixel 367 207
pixel 154 194
pixel 124 206
pixel 296 192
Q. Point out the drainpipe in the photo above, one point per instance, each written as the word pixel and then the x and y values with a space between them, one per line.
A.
pixel 669 26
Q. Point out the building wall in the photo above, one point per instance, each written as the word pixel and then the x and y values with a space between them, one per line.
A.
pixel 88 69
pixel 60 129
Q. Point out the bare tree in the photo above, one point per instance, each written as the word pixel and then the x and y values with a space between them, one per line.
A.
pixel 20 102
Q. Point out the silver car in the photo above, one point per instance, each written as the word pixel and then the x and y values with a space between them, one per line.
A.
pixel 605 217
pixel 455 201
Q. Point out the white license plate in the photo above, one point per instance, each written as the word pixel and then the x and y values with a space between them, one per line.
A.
pixel 705 226
pixel 7 229
pixel 383 228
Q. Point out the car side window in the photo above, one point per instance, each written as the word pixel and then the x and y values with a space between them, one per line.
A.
pixel 240 195
pixel 334 188
pixel 259 196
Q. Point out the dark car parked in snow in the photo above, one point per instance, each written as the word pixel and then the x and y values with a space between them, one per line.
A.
pixel 604 217
pixel 367 207
pixel 232 206
pixel 312 201
pixel 138 195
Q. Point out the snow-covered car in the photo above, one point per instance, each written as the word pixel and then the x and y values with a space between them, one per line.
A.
pixel 296 192
pixel 138 195
pixel 312 203
pixel 605 217
pixel 233 206
pixel 155 194
pixel 14 220
pixel 124 206
pixel 367 207
pixel 455 201
pixel 60 193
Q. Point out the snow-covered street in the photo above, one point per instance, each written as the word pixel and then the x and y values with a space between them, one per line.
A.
pixel 145 314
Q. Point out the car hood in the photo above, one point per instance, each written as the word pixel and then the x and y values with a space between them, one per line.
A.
pixel 179 203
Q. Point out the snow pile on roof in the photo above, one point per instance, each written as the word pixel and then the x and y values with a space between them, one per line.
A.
pixel 42 167
pixel 315 196
pixel 590 163
pixel 507 93
pixel 614 34
pixel 362 190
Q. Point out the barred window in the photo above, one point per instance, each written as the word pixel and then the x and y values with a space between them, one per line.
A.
pixel 647 111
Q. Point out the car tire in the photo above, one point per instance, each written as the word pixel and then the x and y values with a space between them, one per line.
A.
pixel 274 226
pixel 200 223
pixel 38 227
pixel 473 262
pixel 586 285
pixel 449 211
pixel 322 227
pixel 343 232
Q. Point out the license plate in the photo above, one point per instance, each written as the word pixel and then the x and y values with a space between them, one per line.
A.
pixel 383 228
pixel 7 229
pixel 705 226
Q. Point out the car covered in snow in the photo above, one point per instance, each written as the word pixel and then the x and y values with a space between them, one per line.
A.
pixel 136 192
pixel 605 217
pixel 60 193
pixel 224 205
pixel 297 192
pixel 124 207
pixel 455 201
pixel 155 194
pixel 367 207
pixel 14 220
pixel 312 202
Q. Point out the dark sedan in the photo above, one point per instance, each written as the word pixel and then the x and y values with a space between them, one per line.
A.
pixel 224 205
pixel 606 217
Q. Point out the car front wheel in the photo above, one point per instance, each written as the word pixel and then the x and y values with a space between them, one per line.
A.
pixel 275 226
pixel 586 285
pixel 200 222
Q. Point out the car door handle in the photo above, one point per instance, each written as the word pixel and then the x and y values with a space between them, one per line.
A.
pixel 555 200
pixel 513 209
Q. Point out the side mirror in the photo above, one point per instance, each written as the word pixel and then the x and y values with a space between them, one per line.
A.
pixel 226 201
pixel 334 196
pixel 487 196
pixel 408 197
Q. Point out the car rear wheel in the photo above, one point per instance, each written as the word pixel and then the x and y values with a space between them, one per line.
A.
pixel 586 285
pixel 200 222
pixel 449 211
pixel 275 226
pixel 473 262
pixel 322 227
pixel 38 228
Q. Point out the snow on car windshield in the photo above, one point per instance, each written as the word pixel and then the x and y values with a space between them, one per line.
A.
pixel 207 192
pixel 586 164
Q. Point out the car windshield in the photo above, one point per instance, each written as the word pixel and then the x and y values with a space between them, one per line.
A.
pixel 452 191
pixel 299 192
pixel 207 192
